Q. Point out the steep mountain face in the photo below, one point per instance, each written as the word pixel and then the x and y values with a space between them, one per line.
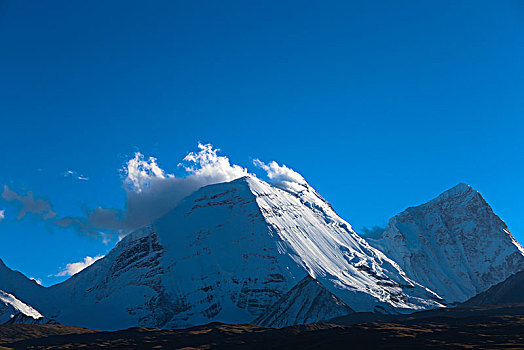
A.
pixel 16 293
pixel 308 302
pixel 13 310
pixel 506 292
pixel 227 253
pixel 15 283
pixel 455 245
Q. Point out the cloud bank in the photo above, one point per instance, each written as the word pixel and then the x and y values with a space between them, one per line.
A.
pixel 74 268
pixel 152 191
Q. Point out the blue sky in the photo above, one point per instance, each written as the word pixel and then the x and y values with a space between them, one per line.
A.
pixel 379 105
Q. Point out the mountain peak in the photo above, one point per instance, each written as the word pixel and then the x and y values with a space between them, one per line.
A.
pixel 245 178
pixel 308 301
pixel 460 189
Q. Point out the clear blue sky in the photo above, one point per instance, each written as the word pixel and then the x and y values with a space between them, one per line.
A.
pixel 380 105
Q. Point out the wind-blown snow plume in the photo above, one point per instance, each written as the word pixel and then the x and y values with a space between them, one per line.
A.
pixel 152 191
pixel 76 267
pixel 29 204
pixel 282 177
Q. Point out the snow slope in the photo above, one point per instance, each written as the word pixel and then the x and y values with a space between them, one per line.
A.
pixel 12 308
pixel 454 244
pixel 308 302
pixel 227 253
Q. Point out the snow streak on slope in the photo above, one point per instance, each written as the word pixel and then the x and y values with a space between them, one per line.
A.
pixel 454 244
pixel 308 302
pixel 11 307
pixel 324 245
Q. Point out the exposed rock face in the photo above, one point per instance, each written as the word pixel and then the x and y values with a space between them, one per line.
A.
pixel 509 291
pixel 307 302
pixel 455 245
pixel 124 289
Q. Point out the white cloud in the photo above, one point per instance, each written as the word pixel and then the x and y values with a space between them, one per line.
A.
pixel 282 177
pixel 74 268
pixel 2 215
pixel 207 167
pixel 28 204
pixel 151 191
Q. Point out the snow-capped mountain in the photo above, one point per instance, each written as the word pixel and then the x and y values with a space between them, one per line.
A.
pixel 16 283
pixel 16 292
pixel 227 253
pixel 13 310
pixel 308 302
pixel 455 244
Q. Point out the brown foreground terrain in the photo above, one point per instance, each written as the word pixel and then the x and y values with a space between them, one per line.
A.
pixel 478 328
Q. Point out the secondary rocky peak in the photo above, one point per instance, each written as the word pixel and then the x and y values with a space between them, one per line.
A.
pixel 307 302
pixel 507 292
